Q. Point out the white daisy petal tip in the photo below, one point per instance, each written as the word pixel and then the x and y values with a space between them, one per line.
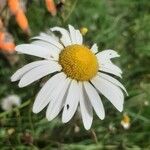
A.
pixel 12 78
pixel 21 85
pixel 112 53
pixel 118 55
pixel 48 116
pixel 107 54
pixel 121 108
pixel 70 26
pixel 102 116
pixel 87 127
pixel 35 111
pixel 17 48
pixel 65 120
pixel 94 48
pixel 127 93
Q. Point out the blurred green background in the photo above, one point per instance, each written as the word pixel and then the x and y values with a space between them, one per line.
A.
pixel 122 25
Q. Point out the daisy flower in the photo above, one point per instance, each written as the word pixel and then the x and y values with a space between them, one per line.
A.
pixel 10 101
pixel 78 75
pixel 126 121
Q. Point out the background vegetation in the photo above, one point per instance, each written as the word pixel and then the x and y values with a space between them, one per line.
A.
pixel 122 25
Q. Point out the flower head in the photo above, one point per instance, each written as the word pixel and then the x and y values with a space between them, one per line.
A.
pixel 79 74
pixel 125 122
pixel 10 101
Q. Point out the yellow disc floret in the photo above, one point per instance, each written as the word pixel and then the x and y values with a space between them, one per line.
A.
pixel 78 62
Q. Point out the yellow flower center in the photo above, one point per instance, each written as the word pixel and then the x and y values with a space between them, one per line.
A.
pixel 126 119
pixel 78 62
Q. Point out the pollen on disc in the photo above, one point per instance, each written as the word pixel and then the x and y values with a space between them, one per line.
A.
pixel 78 62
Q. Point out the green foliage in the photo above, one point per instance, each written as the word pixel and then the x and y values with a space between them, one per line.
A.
pixel 122 25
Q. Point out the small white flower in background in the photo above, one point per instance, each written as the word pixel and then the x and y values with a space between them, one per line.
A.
pixel 10 131
pixel 112 127
pixel 79 73
pixel 125 122
pixel 76 129
pixel 146 103
pixel 10 101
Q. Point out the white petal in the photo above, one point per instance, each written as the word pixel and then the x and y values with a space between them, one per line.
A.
pixel 47 45
pixel 106 55
pixel 50 33
pixel 104 59
pixel 110 70
pixel 19 73
pixel 34 50
pixel 65 39
pixel 39 72
pixel 95 100
pixel 94 48
pixel 86 108
pixel 53 49
pixel 42 98
pixel 71 102
pixel 49 39
pixel 110 91
pixel 112 67
pixel 112 80
pixel 75 35
pixel 79 37
pixel 72 34
pixel 57 99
